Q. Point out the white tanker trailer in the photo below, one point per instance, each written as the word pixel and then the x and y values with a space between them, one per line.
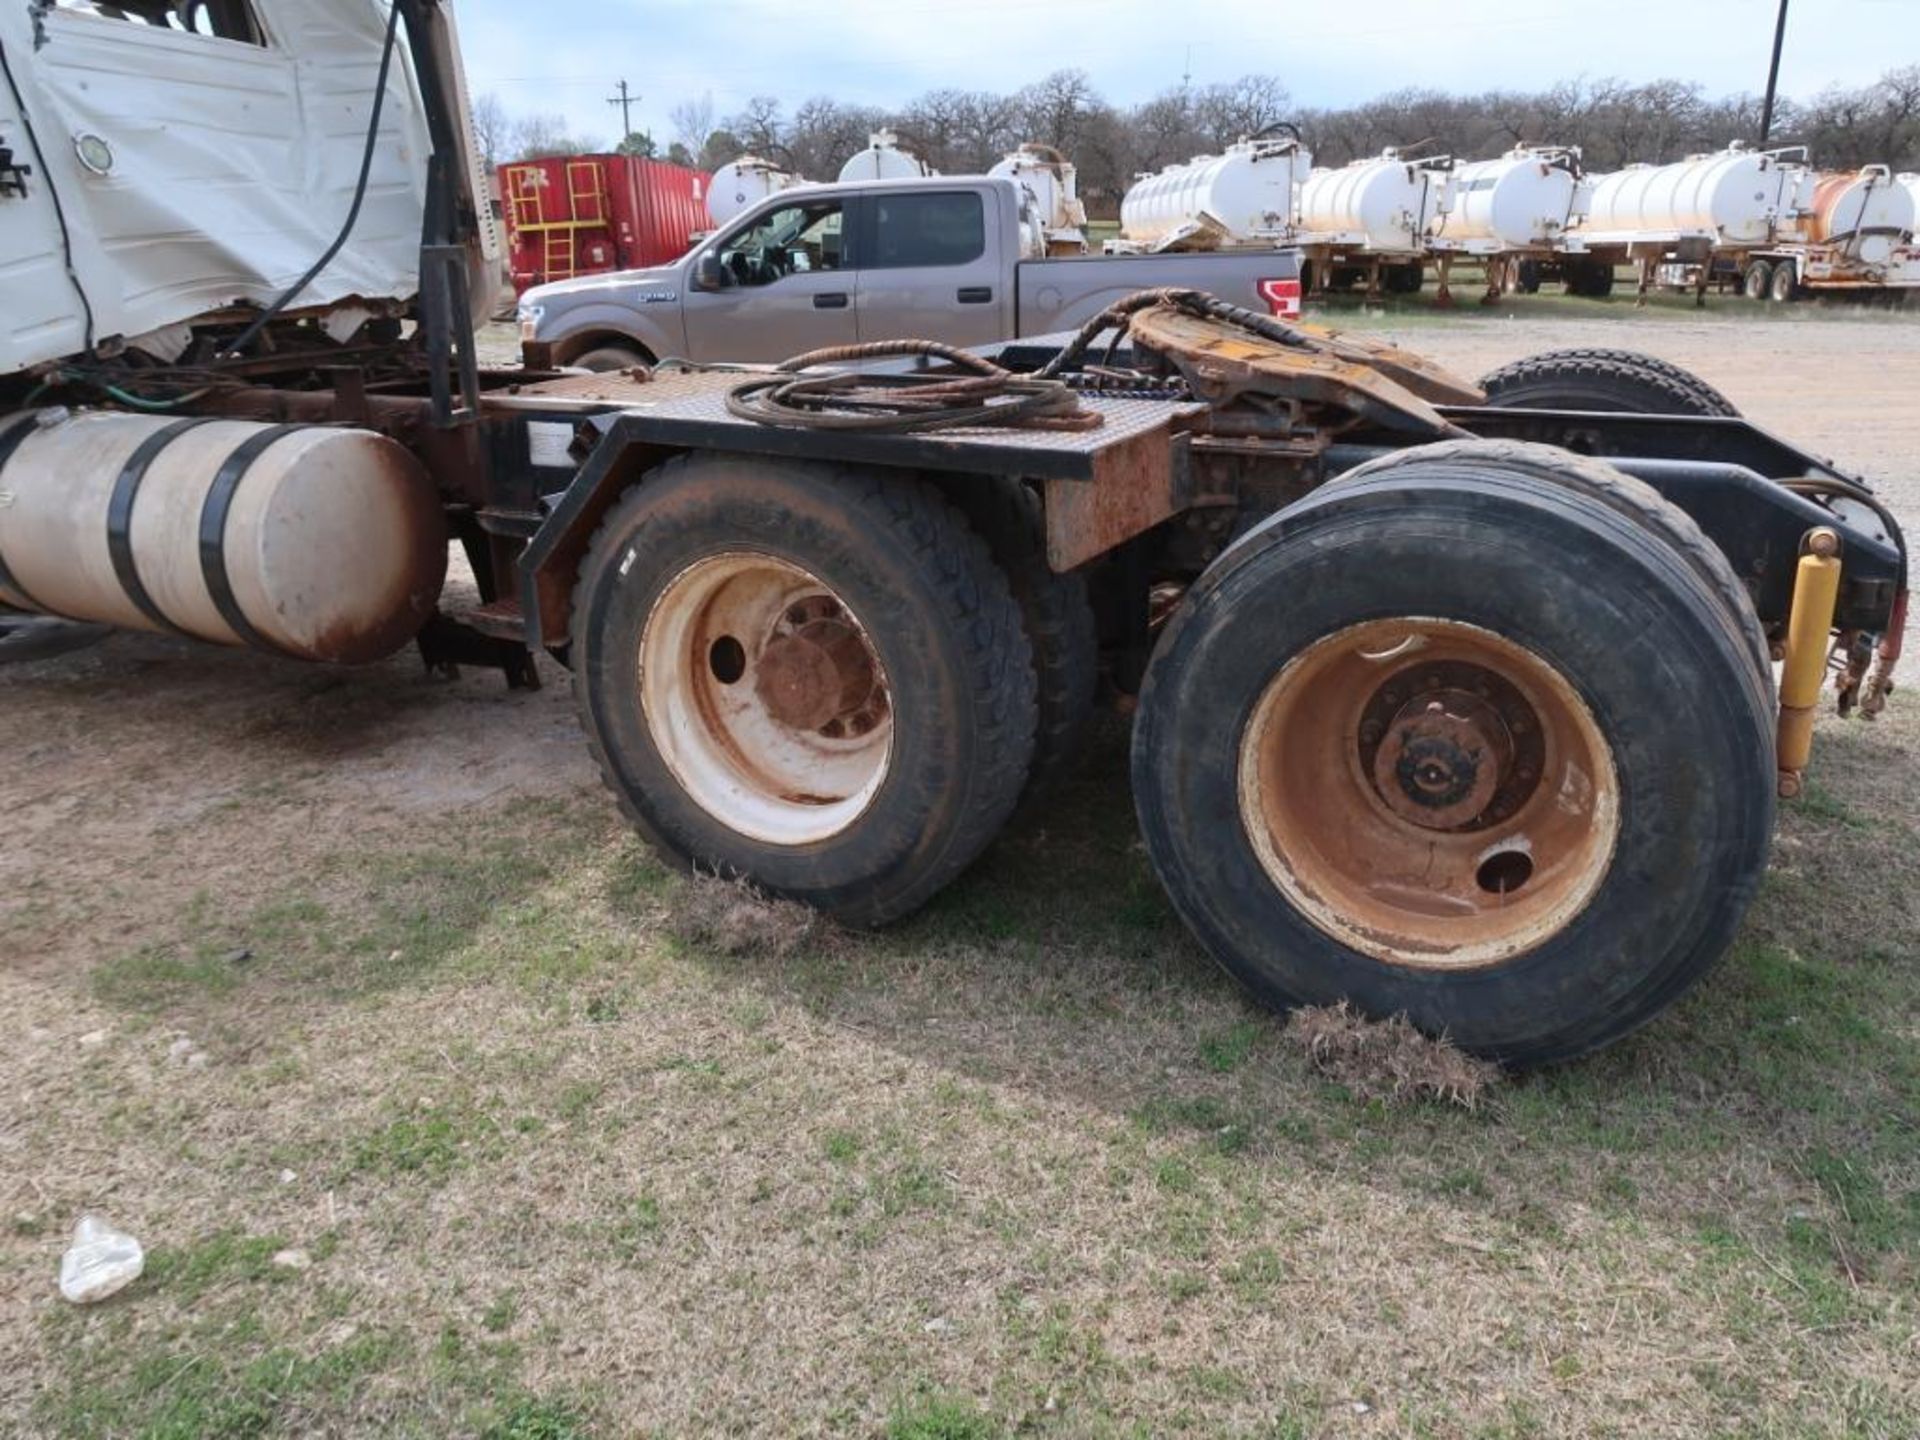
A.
pixel 1856 233
pixel 1249 195
pixel 1735 197
pixel 883 159
pixel 745 182
pixel 1385 204
pixel 1372 219
pixel 1053 220
pixel 1527 199
pixel 1673 220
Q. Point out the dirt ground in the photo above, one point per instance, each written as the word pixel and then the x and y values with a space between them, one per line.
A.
pixel 348 995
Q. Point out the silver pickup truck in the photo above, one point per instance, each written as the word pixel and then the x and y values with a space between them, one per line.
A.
pixel 936 259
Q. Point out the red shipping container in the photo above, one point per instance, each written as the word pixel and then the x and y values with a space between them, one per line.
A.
pixel 585 214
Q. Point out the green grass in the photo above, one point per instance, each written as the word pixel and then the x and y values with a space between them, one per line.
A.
pixel 941 1418
pixel 1036 1114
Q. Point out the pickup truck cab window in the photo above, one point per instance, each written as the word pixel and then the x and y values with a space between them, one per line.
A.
pixel 927 229
pixel 797 239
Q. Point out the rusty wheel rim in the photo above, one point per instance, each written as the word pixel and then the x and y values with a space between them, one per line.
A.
pixel 765 697
pixel 1429 793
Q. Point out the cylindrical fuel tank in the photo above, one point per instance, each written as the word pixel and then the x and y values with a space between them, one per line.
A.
pixel 1735 196
pixel 1866 212
pixel 1252 189
pixel 317 542
pixel 743 182
pixel 1525 198
pixel 1385 203
pixel 883 159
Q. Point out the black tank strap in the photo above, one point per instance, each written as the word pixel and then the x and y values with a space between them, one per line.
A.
pixel 213 533
pixel 126 490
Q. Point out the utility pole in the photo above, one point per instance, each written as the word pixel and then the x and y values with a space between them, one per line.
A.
pixel 626 103
pixel 1773 74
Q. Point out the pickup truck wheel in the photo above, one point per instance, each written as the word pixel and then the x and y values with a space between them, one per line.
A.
pixel 811 677
pixel 1058 617
pixel 1595 378
pixel 606 358
pixel 1418 742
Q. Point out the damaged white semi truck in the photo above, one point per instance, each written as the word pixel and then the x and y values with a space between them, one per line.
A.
pixel 1453 699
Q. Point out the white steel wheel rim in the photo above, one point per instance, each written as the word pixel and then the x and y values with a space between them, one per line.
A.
pixel 765 698
pixel 1492 868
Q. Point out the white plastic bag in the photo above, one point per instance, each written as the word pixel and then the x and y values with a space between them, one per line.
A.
pixel 102 1261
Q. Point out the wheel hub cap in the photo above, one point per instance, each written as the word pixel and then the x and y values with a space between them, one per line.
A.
pixel 1428 792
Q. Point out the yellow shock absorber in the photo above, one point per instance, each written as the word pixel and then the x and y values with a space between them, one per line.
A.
pixel 1816 592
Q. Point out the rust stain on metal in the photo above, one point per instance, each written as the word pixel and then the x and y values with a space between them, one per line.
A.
pixel 1135 486
pixel 1374 382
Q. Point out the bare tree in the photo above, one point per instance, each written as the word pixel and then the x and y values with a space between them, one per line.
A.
pixel 721 147
pixel 758 127
pixel 823 133
pixel 1225 113
pixel 492 127
pixel 539 136
pixel 692 122
pixel 1615 123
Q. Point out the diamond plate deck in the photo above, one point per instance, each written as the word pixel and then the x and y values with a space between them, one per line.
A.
pixel 690 410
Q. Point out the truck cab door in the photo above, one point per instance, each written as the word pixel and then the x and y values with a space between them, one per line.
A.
pixel 929 268
pixel 41 316
pixel 784 286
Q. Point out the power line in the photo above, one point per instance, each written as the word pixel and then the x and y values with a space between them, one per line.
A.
pixel 626 103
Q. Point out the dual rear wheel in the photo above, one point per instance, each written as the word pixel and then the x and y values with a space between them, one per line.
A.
pixel 1463 735
pixel 836 683
pixel 1480 733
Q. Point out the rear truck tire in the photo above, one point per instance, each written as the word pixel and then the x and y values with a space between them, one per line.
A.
pixel 1757 282
pixel 1602 379
pixel 1449 740
pixel 1526 277
pixel 25 637
pixel 1631 497
pixel 1785 285
pixel 1058 617
pixel 605 359
pixel 812 677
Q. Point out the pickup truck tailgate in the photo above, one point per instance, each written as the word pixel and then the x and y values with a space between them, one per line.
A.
pixel 1063 294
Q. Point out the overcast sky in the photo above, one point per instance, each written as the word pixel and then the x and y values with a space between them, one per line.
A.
pixel 565 56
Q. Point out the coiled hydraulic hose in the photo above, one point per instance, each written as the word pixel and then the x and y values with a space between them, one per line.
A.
pixel 845 400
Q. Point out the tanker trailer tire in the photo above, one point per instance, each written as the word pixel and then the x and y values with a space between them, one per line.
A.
pixel 1785 286
pixel 605 359
pixel 1757 282
pixel 1058 617
pixel 1591 279
pixel 1526 277
pixel 811 677
pixel 1593 378
pixel 1448 740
